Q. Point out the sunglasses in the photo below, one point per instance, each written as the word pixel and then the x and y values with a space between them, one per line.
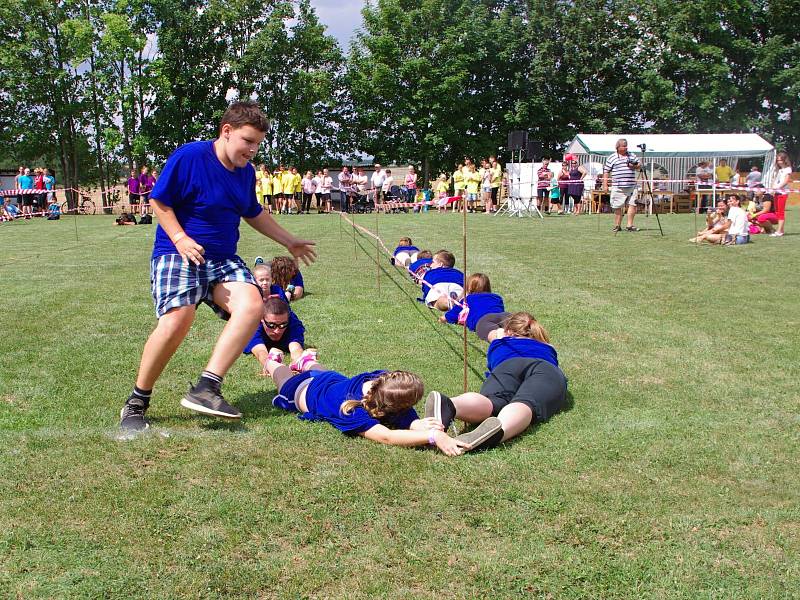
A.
pixel 270 325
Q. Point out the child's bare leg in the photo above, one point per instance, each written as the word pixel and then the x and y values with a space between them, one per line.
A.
pixel 162 344
pixel 516 418
pixel 472 407
pixel 243 302
pixel 295 350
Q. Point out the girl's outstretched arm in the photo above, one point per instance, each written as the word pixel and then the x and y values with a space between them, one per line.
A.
pixel 408 438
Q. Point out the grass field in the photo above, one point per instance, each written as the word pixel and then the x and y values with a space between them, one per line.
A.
pixel 673 475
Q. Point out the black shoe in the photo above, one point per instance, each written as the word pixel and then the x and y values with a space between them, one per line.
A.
pixel 616 229
pixel 209 402
pixel 486 435
pixel 439 406
pixel 631 228
pixel 131 417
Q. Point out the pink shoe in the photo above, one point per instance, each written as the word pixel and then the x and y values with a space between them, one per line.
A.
pixel 276 355
pixel 307 360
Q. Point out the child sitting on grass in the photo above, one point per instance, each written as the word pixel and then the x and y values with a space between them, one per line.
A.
pixel 523 385
pixel 405 253
pixel 478 301
pixel 442 283
pixel 378 405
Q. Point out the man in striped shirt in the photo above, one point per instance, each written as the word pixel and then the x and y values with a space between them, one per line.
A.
pixel 622 165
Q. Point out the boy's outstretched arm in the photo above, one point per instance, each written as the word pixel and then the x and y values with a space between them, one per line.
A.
pixel 266 225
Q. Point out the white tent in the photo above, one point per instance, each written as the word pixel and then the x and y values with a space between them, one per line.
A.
pixel 678 154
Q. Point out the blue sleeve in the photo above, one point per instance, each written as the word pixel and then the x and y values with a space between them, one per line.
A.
pixel 254 341
pixel 451 316
pixel 296 331
pixel 276 290
pixel 356 422
pixel 172 186
pixel 297 280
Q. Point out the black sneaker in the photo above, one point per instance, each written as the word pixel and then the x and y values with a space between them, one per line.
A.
pixel 131 417
pixel 439 406
pixel 209 402
pixel 616 229
pixel 631 228
pixel 486 435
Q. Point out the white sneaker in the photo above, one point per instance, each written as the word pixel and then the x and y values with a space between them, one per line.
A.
pixel 776 234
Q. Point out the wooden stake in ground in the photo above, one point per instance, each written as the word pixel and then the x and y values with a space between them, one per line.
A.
pixel 377 254
pixel 464 250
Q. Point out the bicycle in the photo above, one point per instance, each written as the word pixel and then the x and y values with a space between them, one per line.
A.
pixel 85 207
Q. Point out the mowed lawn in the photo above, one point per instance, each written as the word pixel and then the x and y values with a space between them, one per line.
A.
pixel 673 475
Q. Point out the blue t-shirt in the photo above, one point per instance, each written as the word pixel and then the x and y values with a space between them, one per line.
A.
pixel 25 182
pixel 276 290
pixel 511 347
pixel 442 275
pixel 54 209
pixel 49 182
pixel 208 200
pixel 12 209
pixel 418 264
pixel 479 304
pixel 329 389
pixel 295 332
pixel 297 280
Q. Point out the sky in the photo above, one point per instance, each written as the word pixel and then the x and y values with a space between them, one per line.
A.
pixel 341 17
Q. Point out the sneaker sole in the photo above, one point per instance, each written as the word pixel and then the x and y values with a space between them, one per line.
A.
pixel 186 403
pixel 482 433
pixel 433 406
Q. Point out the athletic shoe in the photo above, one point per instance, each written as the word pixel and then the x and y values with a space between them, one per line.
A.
pixel 616 229
pixel 305 361
pixel 440 407
pixel 276 355
pixel 259 260
pixel 631 228
pixel 486 435
pixel 209 402
pixel 131 417
pixel 776 234
pixel 282 402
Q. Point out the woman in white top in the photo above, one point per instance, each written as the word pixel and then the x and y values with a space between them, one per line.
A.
pixel 781 190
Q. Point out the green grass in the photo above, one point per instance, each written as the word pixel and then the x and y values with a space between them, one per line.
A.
pixel 674 474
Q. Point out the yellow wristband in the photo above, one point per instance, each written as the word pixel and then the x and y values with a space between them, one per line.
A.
pixel 178 237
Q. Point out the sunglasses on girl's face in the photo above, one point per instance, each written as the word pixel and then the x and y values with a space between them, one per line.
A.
pixel 271 325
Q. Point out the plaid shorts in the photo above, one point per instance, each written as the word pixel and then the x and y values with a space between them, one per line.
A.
pixel 175 282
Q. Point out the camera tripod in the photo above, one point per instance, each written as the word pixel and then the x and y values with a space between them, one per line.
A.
pixel 648 187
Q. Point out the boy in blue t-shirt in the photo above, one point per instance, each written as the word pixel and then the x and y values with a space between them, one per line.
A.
pixel 204 191
pixel 443 283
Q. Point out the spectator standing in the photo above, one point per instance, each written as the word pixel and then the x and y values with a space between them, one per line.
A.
pixel 411 184
pixel 145 188
pixel 324 190
pixel 723 173
pixel 20 173
pixel 309 187
pixel 753 177
pixel 38 184
pixel 49 184
pixel 780 191
pixel 345 188
pixel 360 185
pixel 133 190
pixel 543 184
pixel 26 183
pixel 496 180
pixel 459 184
pixel 622 167
pixel 575 187
pixel 377 179
pixel 563 186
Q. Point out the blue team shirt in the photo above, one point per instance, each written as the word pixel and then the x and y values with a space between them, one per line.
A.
pixel 510 347
pixel 208 200
pixel 442 275
pixel 25 182
pixel 49 182
pixel 297 280
pixel 295 332
pixel 479 304
pixel 329 389
pixel 418 264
